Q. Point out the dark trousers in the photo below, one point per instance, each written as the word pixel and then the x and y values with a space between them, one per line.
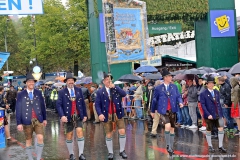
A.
pixel 12 103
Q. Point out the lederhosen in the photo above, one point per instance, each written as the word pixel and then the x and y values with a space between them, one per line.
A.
pixel 75 117
pixel 169 117
pixel 214 122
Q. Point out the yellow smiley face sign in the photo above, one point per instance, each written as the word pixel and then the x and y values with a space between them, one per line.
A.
pixel 222 23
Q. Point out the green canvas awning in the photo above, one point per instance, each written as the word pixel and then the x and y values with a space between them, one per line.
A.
pixel 179 59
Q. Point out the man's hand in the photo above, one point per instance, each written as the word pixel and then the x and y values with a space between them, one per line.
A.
pixel 20 128
pixel 7 106
pixel 101 117
pixel 44 123
pixel 225 105
pixel 84 119
pixel 64 119
pixel 194 82
pixel 152 114
pixel 181 105
pixel 111 85
pixel 210 117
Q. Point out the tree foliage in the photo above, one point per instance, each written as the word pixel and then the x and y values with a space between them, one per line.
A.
pixel 61 36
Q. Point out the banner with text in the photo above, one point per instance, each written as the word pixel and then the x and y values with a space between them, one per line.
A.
pixel 164 28
pixel 21 7
pixel 153 61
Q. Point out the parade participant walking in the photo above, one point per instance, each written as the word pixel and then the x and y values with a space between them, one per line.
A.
pixel 212 111
pixel 168 97
pixel 31 116
pixel 109 108
pixel 93 98
pixel 72 111
pixel 11 97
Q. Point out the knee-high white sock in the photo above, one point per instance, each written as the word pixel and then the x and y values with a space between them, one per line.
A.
pixel 109 145
pixel 29 152
pixel 70 146
pixel 80 145
pixel 209 140
pixel 39 151
pixel 172 139
pixel 122 142
pixel 220 138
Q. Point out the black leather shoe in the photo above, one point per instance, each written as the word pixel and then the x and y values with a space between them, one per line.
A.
pixel 95 122
pixel 110 156
pixel 82 157
pixel 72 157
pixel 210 149
pixel 123 154
pixel 153 135
pixel 170 151
pixel 223 150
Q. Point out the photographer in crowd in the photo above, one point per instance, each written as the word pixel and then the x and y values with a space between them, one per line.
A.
pixel 7 111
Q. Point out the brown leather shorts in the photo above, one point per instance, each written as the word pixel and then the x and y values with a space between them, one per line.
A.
pixel 36 127
pixel 108 126
pixel 213 122
pixel 169 117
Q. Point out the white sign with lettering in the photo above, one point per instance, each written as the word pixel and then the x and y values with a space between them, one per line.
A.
pixel 153 61
pixel 9 7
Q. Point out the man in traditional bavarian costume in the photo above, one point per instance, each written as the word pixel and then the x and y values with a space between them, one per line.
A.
pixel 212 112
pixel 167 98
pixel 31 115
pixel 109 108
pixel 72 111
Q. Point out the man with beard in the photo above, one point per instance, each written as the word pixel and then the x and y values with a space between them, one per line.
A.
pixel 109 109
pixel 72 111
pixel 31 115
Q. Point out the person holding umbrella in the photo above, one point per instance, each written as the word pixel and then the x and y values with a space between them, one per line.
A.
pixel 167 97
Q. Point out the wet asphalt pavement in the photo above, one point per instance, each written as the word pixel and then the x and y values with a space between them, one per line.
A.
pixel 189 144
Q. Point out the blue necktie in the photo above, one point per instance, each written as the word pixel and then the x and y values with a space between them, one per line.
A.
pixel 212 94
pixel 72 93
pixel 30 95
pixel 167 87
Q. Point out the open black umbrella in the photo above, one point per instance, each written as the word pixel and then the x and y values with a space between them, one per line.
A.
pixel 235 69
pixel 177 72
pixel 224 73
pixel 207 69
pixel 129 78
pixel 157 76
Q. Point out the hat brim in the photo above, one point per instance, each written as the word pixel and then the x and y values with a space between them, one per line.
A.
pixel 211 81
pixel 28 80
pixel 65 80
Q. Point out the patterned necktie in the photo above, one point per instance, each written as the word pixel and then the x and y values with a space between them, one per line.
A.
pixel 167 87
pixel 30 95
pixel 212 94
pixel 72 93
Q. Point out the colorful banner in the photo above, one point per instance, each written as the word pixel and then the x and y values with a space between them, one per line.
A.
pixel 9 7
pixel 222 23
pixel 128 34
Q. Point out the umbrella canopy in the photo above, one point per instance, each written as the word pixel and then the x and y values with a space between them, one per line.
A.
pixel 59 84
pixel 50 82
pixel 194 71
pixel 224 73
pixel 208 69
pixel 119 82
pixel 144 69
pixel 157 76
pixel 177 72
pixel 38 83
pixel 223 69
pixel 235 69
pixel 185 76
pixel 87 80
pixel 210 74
pixel 129 78
pixel 60 78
